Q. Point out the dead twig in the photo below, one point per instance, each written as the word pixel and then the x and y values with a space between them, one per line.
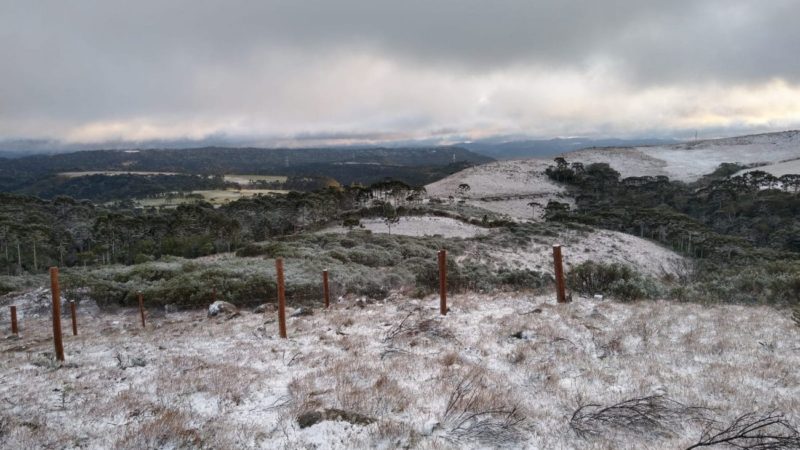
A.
pixel 654 413
pixel 768 431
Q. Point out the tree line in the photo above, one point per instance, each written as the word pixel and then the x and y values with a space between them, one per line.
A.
pixel 37 233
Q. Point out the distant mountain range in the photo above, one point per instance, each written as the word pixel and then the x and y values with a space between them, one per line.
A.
pixel 498 147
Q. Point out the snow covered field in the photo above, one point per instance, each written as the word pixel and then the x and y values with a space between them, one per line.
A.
pixel 603 246
pixel 777 169
pixel 690 161
pixel 418 226
pixel 505 370
pixel 504 187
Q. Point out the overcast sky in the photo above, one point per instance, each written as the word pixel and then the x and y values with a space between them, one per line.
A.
pixel 346 70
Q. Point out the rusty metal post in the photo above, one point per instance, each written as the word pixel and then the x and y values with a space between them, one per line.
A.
pixel 325 290
pixel 74 315
pixel 14 328
pixel 213 294
pixel 443 282
pixel 141 307
pixel 561 294
pixel 54 289
pixel 281 298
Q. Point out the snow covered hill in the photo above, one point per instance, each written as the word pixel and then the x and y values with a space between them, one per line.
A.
pixel 690 161
pixel 504 187
pixel 510 187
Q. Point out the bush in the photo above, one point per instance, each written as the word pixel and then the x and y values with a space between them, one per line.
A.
pixel 614 279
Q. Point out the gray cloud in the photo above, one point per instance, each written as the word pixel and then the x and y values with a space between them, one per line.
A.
pixel 324 66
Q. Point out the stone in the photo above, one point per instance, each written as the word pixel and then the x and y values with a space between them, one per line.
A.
pixel 220 307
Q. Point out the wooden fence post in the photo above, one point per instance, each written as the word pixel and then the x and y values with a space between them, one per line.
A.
pixel 561 294
pixel 141 308
pixel 54 289
pixel 443 282
pixel 14 328
pixel 281 298
pixel 325 290
pixel 74 315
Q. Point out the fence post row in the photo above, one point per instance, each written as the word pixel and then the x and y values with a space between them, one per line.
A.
pixel 443 282
pixel 281 298
pixel 54 289
pixel 561 294
pixel 325 290
pixel 14 328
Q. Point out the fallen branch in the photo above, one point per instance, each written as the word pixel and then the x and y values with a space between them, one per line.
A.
pixel 654 413
pixel 770 431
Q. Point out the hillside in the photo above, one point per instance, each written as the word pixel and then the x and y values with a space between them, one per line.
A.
pixel 509 187
pixel 690 161
pixel 512 147
pixel 503 187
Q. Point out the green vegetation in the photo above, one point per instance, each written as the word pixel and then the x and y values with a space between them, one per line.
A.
pixel 743 231
pixel 360 263
pixel 615 280
pixel 204 168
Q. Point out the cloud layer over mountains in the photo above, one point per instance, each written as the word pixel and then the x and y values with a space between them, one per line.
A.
pixel 90 71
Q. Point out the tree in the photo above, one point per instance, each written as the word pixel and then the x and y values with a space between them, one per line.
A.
pixel 390 216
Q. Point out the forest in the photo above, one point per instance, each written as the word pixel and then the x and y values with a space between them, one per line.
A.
pixel 37 233
pixel 742 231
pixel 39 174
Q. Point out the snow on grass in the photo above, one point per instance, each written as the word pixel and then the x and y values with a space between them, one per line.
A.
pixel 188 381
pixel 602 246
pixel 777 169
pixel 500 178
pixel 690 161
pixel 628 161
pixel 418 226
pixel 504 187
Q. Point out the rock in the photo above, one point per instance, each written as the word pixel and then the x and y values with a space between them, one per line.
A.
pixel 170 308
pixel 260 309
pixel 311 418
pixel 220 307
pixel 598 297
pixel 302 312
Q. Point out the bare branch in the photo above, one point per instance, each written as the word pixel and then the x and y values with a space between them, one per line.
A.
pixel 768 431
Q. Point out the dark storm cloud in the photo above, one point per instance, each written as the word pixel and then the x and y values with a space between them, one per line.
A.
pixel 74 62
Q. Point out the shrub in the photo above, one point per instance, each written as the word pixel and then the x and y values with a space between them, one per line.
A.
pixel 614 279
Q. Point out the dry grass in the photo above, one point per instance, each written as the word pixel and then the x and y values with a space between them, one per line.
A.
pixel 495 371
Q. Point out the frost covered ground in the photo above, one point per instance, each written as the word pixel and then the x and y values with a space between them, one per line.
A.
pixel 418 226
pixel 604 246
pixel 690 161
pixel 497 370
pixel 504 187
pixel 777 169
